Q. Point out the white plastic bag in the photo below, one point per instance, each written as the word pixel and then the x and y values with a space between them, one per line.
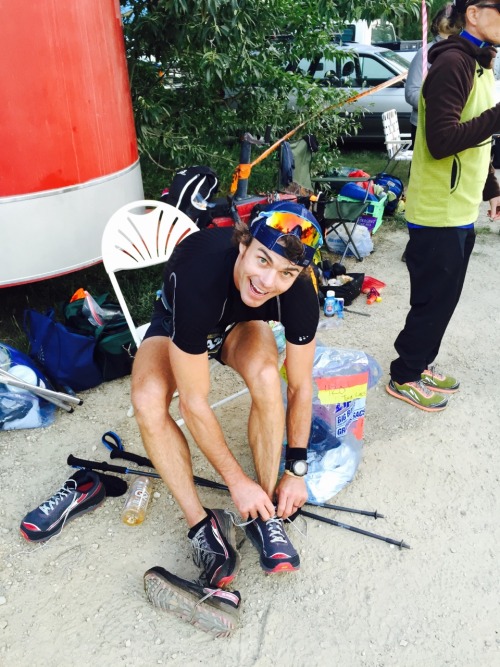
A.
pixel 361 237
pixel 341 379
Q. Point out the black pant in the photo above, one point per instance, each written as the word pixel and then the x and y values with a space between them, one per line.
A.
pixel 437 260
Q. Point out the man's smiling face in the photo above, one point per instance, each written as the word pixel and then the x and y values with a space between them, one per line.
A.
pixel 260 274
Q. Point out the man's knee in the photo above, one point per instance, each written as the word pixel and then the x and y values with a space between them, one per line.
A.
pixel 150 398
pixel 265 379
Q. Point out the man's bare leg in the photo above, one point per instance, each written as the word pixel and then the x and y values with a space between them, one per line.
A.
pixel 153 386
pixel 250 349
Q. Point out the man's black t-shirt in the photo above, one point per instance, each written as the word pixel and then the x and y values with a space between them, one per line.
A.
pixel 198 286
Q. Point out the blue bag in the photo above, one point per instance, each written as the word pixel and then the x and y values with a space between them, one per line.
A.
pixel 66 357
pixel 356 191
pixel 390 184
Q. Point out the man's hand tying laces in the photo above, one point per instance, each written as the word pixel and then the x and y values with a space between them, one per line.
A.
pixel 291 494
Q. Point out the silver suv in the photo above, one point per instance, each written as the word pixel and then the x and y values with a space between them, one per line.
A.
pixel 358 67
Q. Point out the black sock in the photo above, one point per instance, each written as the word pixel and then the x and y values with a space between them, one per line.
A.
pixel 196 528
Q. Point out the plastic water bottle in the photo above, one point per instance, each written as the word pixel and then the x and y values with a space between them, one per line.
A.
pixel 329 305
pixel 137 501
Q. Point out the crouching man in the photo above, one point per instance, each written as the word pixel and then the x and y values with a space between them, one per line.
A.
pixel 221 287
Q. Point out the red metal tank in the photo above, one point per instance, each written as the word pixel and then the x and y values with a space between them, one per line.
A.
pixel 68 154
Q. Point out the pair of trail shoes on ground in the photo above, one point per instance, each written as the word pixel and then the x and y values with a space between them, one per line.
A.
pixel 206 603
pixel 82 492
pixel 428 393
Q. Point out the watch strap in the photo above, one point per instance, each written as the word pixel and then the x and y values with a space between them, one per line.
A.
pixel 296 454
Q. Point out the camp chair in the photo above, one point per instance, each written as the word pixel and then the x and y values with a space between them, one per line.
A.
pixel 335 215
pixel 142 234
pixel 397 144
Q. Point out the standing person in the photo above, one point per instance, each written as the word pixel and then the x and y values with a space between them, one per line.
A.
pixel 441 28
pixel 451 173
pixel 218 294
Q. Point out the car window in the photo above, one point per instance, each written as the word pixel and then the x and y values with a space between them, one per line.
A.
pixel 396 60
pixel 373 72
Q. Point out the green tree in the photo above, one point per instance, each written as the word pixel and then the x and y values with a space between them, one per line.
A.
pixel 204 71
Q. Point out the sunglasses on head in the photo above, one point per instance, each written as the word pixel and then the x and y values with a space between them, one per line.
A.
pixel 290 223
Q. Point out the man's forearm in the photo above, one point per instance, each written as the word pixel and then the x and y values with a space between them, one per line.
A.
pixel 207 434
pixel 299 416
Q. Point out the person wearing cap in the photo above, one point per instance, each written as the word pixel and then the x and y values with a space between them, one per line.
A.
pixel 221 287
pixel 451 174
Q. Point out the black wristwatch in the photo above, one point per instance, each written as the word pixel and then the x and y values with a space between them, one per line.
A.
pixel 296 468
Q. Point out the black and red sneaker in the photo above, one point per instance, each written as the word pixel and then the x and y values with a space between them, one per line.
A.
pixel 214 548
pixel 81 493
pixel 206 607
pixel 277 553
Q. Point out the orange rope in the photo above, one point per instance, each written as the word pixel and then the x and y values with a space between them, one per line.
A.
pixel 244 170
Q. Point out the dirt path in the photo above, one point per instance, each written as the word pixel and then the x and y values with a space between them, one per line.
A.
pixel 356 601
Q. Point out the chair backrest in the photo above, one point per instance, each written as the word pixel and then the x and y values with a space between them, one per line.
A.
pixel 140 234
pixel 391 132
pixel 300 183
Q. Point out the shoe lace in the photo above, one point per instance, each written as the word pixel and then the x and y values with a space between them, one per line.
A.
pixel 203 582
pixel 422 388
pixel 435 374
pixel 68 487
pixel 276 530
pixel 203 554
pixel 293 524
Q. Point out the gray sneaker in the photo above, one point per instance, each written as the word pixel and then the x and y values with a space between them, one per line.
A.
pixel 208 608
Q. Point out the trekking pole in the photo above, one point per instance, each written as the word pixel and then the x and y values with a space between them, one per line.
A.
pixel 43 392
pixel 108 467
pixel 199 481
pixel 389 540
pixel 34 390
pixel 375 514
pixel 113 442
pixel 74 462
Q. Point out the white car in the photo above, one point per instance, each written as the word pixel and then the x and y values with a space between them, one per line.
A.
pixel 359 67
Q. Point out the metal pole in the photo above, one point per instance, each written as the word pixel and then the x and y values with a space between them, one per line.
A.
pixel 389 540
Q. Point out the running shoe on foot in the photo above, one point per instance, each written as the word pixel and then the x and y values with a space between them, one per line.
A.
pixel 214 548
pixel 208 608
pixel 443 384
pixel 81 493
pixel 417 394
pixel 277 553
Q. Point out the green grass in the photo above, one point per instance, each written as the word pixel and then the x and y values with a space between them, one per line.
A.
pixel 140 289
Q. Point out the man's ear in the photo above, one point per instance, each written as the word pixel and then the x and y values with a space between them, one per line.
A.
pixel 471 14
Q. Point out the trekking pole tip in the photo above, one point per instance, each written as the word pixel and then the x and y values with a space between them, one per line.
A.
pixel 377 515
pixel 403 545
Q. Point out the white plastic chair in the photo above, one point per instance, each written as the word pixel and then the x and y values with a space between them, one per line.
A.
pixel 141 234
pixel 397 143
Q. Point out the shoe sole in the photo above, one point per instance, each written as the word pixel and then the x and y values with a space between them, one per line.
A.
pixel 44 535
pixel 286 566
pixel 229 532
pixel 410 402
pixel 166 596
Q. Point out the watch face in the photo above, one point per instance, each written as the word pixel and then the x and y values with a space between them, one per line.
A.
pixel 299 468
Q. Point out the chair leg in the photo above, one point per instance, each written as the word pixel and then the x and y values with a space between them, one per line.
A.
pixel 351 242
